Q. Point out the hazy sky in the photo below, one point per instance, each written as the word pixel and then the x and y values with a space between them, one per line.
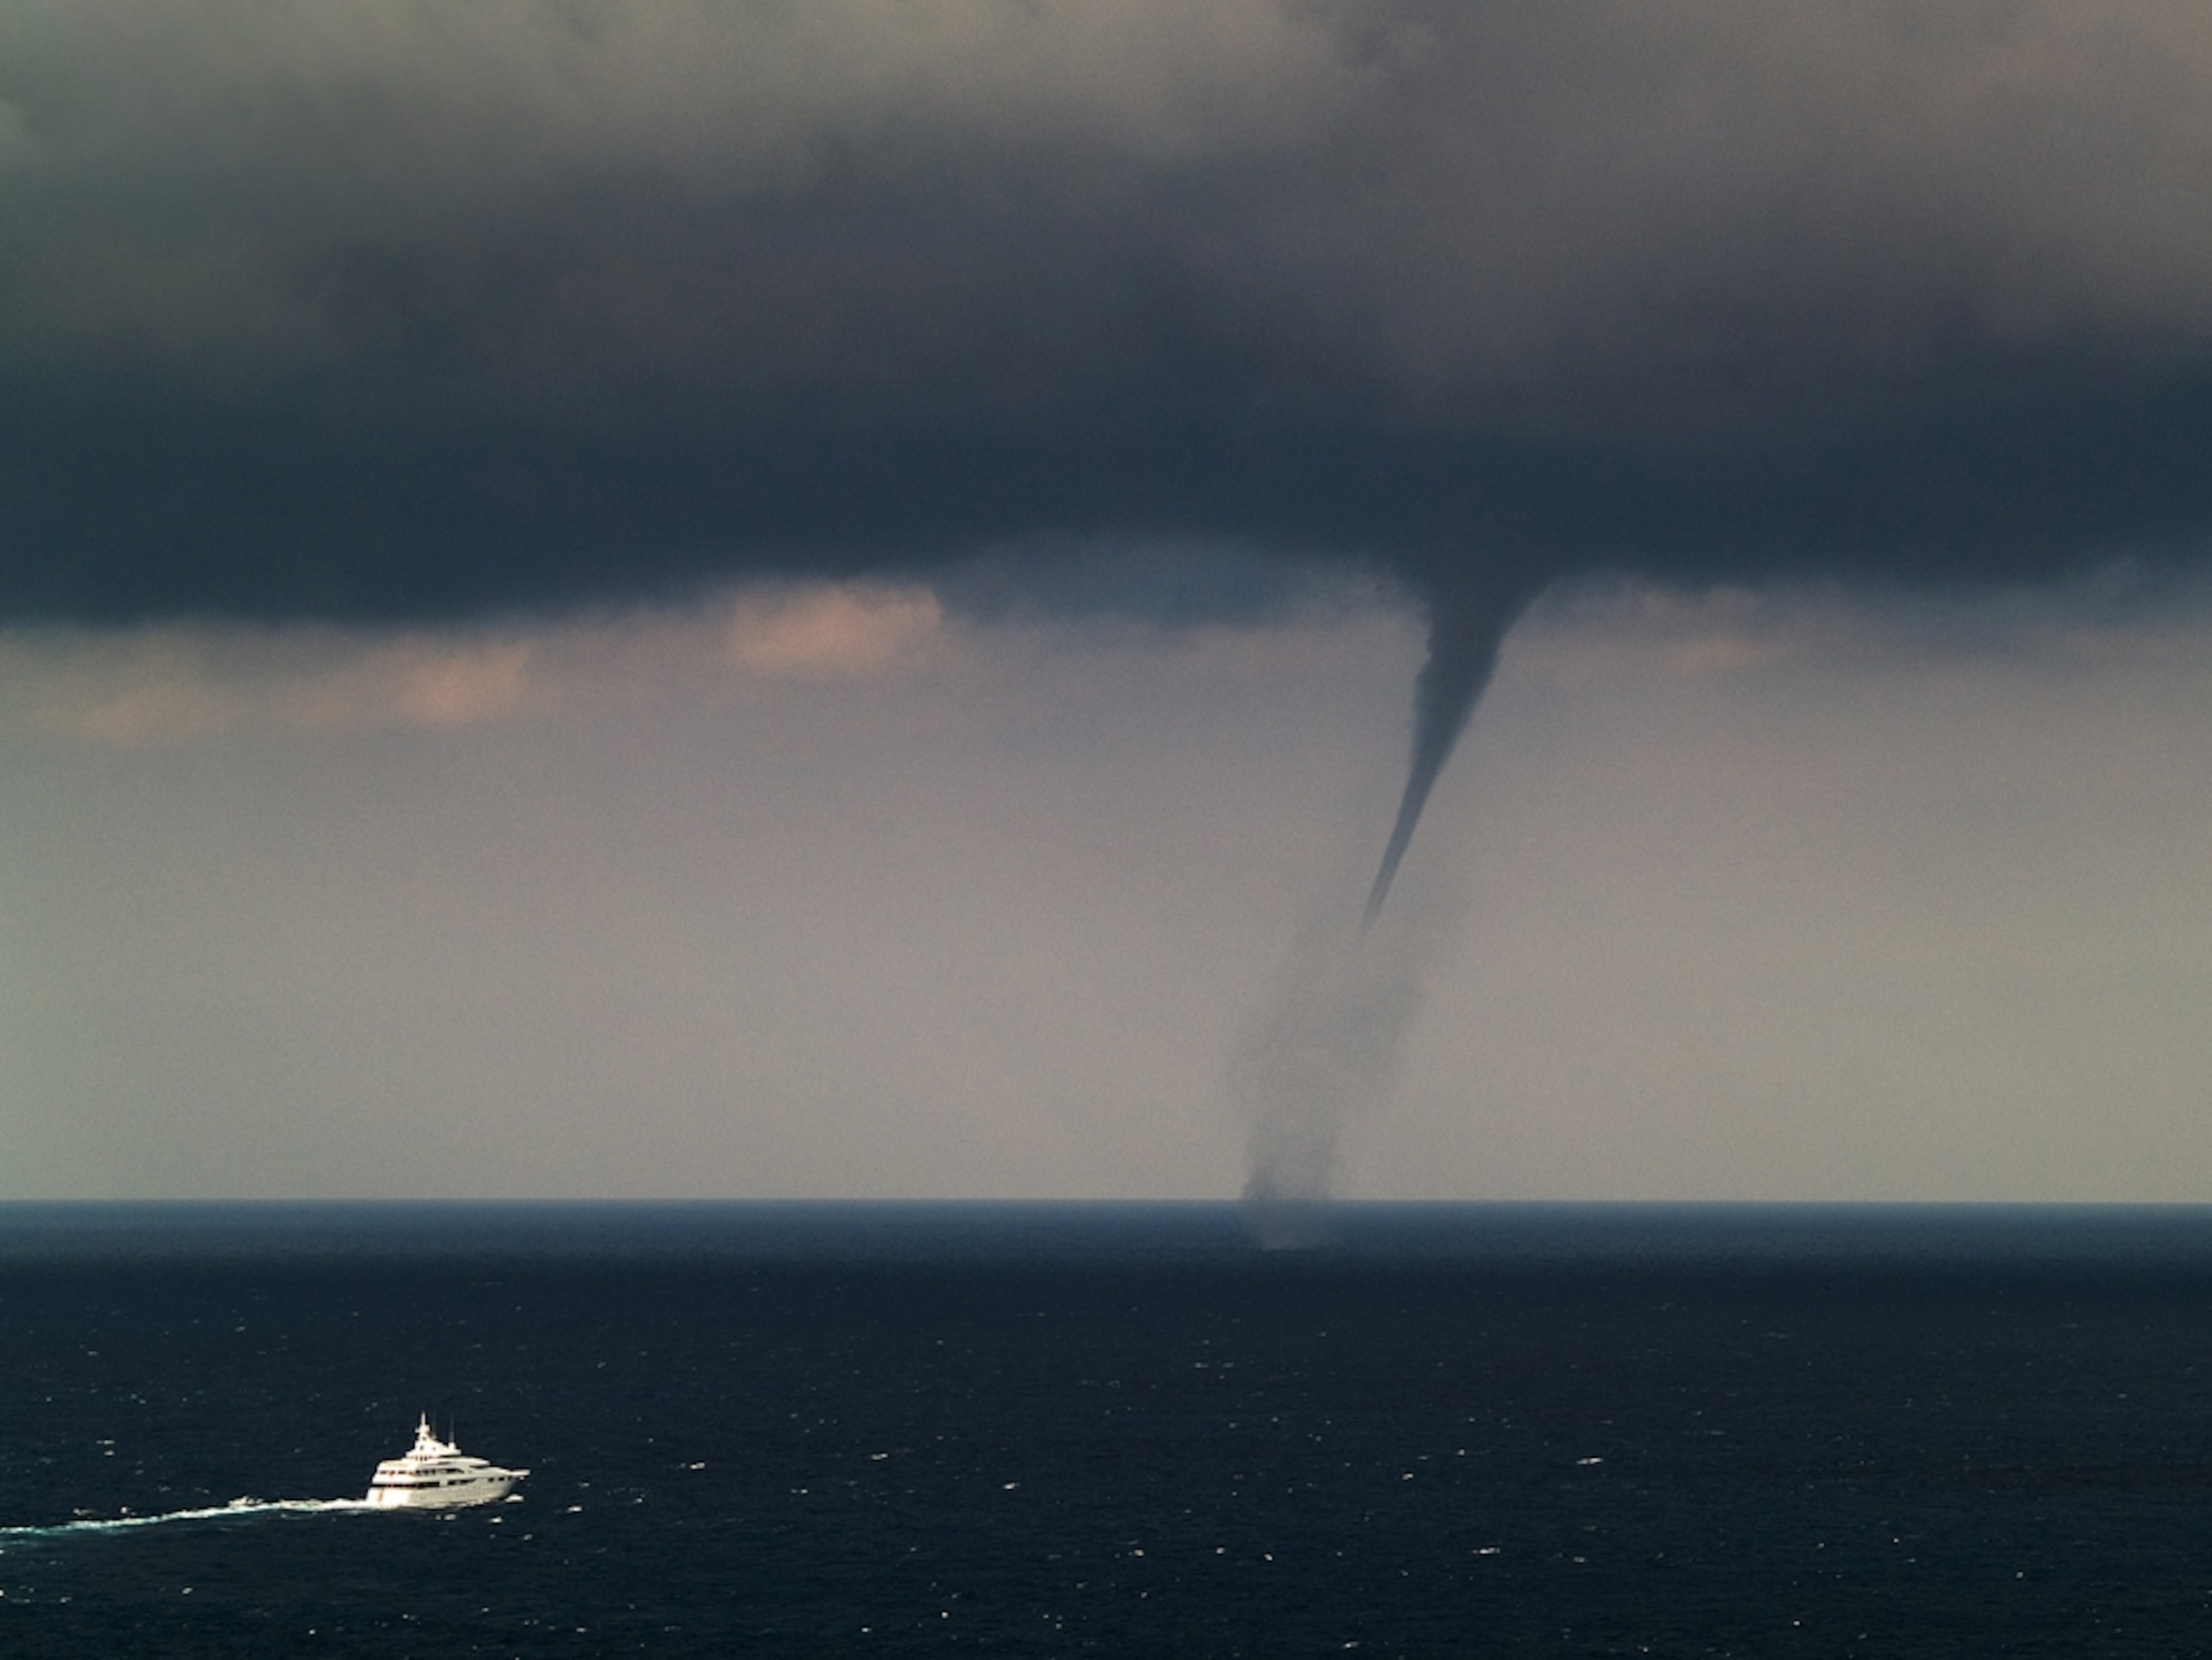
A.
pixel 643 598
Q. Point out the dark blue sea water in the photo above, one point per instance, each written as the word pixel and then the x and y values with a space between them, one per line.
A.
pixel 1036 1430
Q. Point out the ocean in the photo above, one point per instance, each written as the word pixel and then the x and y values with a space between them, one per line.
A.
pixel 1043 1430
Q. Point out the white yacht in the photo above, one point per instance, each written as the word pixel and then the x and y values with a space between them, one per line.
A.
pixel 435 1474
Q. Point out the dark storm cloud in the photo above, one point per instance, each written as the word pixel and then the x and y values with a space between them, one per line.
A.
pixel 410 310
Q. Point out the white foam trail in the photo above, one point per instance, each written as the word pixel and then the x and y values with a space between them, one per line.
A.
pixel 236 1508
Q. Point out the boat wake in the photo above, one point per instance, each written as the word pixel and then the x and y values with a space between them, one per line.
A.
pixel 237 1509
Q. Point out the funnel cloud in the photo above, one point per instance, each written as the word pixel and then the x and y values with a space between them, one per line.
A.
pixel 1466 627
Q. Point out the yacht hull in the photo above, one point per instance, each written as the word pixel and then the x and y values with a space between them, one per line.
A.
pixel 421 1496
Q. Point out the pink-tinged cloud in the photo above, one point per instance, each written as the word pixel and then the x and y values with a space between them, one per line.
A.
pixel 166 686
pixel 835 632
